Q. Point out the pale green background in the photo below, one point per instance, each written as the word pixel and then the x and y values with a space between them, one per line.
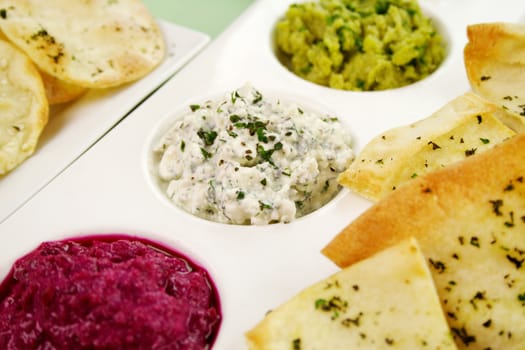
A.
pixel 207 16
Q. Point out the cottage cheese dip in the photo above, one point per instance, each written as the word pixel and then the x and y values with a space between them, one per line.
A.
pixel 249 159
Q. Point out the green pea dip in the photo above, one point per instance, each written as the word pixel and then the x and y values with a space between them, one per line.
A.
pixel 359 45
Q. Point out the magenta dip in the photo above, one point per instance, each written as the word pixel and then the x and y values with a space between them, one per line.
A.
pixel 107 293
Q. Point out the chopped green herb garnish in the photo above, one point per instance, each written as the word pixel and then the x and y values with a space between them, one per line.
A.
pixel 182 146
pixel 462 334
pixel 261 136
pixel 296 344
pixel 479 118
pixel 234 118
pixel 434 145
pixel 219 109
pixel 319 303
pixel 438 265
pixel 234 96
pixel 253 125
pixel 517 262
pixel 206 154
pixel 240 195
pixel 335 306
pixel 326 186
pixel 496 206
pixel 194 107
pixel 263 205
pixel 265 155
pixel 470 152
pixel 258 97
pixel 208 137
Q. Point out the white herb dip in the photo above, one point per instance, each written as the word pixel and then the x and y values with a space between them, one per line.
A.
pixel 244 159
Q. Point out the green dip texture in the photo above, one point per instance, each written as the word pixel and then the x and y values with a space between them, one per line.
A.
pixel 360 45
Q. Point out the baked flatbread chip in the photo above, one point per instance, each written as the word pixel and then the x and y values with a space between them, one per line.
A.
pixel 466 125
pixel 469 219
pixel 388 301
pixel 494 59
pixel 92 44
pixel 23 107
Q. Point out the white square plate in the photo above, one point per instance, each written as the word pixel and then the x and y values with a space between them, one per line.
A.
pixel 256 268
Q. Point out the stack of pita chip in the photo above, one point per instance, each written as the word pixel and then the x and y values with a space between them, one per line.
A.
pixel 467 125
pixel 66 47
pixel 469 219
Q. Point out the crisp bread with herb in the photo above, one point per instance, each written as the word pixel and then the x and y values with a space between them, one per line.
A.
pixel 388 301
pixel 466 125
pixel 469 219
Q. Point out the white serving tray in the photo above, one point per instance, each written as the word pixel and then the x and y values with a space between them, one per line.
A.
pixel 74 127
pixel 256 268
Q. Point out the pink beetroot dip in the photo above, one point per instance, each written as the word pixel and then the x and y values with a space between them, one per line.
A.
pixel 106 293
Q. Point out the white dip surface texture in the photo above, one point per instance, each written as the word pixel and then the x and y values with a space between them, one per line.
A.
pixel 248 159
